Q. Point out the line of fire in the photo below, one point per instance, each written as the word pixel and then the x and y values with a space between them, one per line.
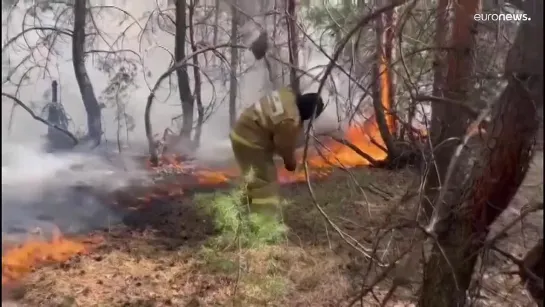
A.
pixel 361 140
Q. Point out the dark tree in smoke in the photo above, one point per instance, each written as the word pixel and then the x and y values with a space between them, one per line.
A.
pixel 94 118
pixel 183 78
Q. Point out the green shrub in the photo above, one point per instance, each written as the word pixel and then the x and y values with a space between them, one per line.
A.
pixel 235 225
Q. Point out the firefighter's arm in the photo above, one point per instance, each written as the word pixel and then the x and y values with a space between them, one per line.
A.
pixel 285 141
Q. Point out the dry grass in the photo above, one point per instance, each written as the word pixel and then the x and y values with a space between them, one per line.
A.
pixel 202 277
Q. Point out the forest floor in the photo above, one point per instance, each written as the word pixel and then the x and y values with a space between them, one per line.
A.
pixel 160 256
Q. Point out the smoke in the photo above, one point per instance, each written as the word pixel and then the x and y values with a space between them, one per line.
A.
pixel 42 189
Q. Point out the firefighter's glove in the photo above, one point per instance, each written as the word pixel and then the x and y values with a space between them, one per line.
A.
pixel 285 139
pixel 290 167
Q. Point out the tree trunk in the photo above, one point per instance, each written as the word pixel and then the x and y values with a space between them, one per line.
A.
pixel 233 87
pixel 494 180
pixel 183 78
pixel 450 120
pixel 197 77
pixel 93 109
pixel 497 170
pixel 216 23
pixel 275 70
pixel 383 96
pixel 438 112
pixel 293 45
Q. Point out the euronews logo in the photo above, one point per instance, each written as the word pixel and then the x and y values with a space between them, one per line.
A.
pixel 501 17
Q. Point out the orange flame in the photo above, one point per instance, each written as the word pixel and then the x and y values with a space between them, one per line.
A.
pixel 386 93
pixel 21 260
pixel 321 164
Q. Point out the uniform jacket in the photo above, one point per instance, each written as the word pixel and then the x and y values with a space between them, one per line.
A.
pixel 273 123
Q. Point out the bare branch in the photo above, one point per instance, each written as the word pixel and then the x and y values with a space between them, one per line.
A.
pixel 38 118
pixel 149 133
pixel 434 99
pixel 357 150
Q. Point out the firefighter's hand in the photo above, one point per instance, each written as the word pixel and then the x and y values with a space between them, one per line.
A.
pixel 290 167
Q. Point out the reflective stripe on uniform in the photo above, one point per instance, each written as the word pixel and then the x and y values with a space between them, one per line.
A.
pixel 237 138
pixel 259 110
pixel 273 200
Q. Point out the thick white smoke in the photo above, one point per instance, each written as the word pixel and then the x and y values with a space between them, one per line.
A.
pixel 42 189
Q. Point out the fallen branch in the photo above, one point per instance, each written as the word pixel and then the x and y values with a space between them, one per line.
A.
pixel 38 118
pixel 530 259
pixel 374 142
pixel 358 151
pixel 369 187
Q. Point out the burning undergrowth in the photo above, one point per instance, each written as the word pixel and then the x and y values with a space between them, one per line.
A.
pixel 165 256
pixel 74 193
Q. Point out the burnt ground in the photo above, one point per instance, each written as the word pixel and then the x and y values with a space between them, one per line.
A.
pixel 159 255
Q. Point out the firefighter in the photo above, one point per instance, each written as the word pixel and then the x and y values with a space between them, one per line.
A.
pixel 271 125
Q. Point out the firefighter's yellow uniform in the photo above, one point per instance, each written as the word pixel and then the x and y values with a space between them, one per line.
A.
pixel 272 124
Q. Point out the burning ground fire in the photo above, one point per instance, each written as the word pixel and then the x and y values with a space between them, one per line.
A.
pixel 22 259
pixel 333 154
